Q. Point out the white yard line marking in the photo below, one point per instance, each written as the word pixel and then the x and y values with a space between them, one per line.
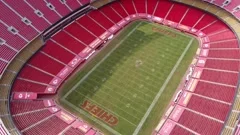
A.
pixel 75 86
pixel 121 95
pixel 161 90
pixel 133 91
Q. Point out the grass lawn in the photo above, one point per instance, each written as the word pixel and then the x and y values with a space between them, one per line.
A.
pixel 132 80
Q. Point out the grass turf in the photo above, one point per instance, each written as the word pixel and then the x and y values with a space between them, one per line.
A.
pixel 126 82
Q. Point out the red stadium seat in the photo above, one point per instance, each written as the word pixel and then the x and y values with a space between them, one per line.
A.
pixel 25 30
pixel 209 107
pixel 58 52
pixel 151 6
pixel 101 19
pixel 177 13
pixel 46 63
pixel 120 10
pixel 129 7
pixel 140 6
pixel 80 33
pixel 25 120
pixel 6 52
pixel 230 65
pixel 163 8
pixel 219 92
pixel 226 54
pixel 192 17
pixel 69 42
pixel 51 126
pixel 200 124
pixel 112 15
pixel 91 25
pixel 23 9
pixel 48 13
pixel 220 77
pixel 225 44
pixel 18 106
pixel 26 86
pixel 205 21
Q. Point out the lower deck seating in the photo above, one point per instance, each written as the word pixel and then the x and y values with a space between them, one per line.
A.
pixel 119 9
pixel 18 106
pixel 218 92
pixel 225 44
pixel 151 5
pixel 192 17
pixel 46 63
pixel 177 13
pixel 200 124
pixel 215 27
pixel 231 65
pixel 26 86
pixel 91 25
pixel 101 19
pixel 80 33
pixel 128 5
pixel 58 52
pixel 209 107
pixel 108 11
pixel 163 8
pixel 69 42
pixel 226 54
pixel 205 21
pixel 25 120
pixel 140 5
pixel 51 126
pixel 224 35
pixel 220 77
pixel 31 73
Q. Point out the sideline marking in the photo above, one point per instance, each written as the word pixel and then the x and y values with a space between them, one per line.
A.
pixel 162 88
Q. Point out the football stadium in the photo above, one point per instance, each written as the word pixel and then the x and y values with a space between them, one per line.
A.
pixel 119 67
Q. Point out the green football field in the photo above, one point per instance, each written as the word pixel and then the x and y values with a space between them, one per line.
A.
pixel 126 89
